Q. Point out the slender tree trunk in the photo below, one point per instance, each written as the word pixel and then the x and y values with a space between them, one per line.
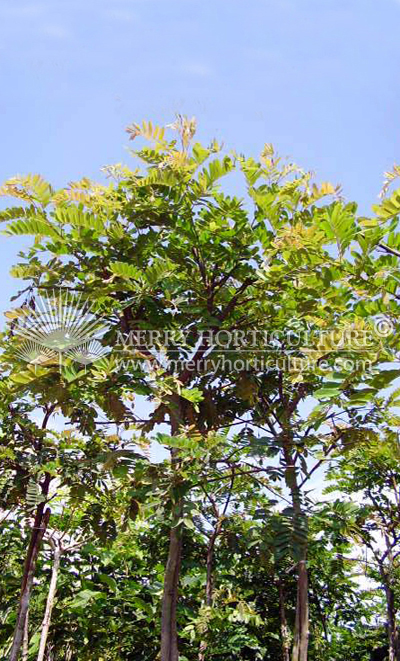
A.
pixel 210 564
pixel 302 614
pixel 49 603
pixel 169 632
pixel 301 629
pixel 39 527
pixel 391 611
pixel 393 635
pixel 25 644
pixel 285 638
pixel 209 580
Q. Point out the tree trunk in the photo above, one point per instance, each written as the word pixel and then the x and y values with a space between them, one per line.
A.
pixel 49 603
pixel 169 633
pixel 393 635
pixel 301 629
pixel 25 644
pixel 300 646
pixel 391 611
pixel 209 580
pixel 285 638
pixel 39 527
pixel 210 563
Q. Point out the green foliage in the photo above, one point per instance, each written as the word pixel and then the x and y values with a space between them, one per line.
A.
pixel 165 248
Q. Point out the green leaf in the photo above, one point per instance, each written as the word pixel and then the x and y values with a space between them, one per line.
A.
pixel 189 523
pixel 124 270
pixel 35 226
pixel 200 153
pixel 109 581
pixel 384 378
pixel 326 393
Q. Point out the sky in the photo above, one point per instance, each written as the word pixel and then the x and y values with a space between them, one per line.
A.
pixel 317 78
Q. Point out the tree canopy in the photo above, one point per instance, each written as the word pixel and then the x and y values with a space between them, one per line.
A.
pixel 199 413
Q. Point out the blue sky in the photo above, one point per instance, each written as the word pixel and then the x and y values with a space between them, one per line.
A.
pixel 318 78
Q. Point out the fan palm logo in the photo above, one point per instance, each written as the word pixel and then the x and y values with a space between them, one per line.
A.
pixel 59 325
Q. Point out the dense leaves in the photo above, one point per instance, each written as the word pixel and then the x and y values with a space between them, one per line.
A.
pixel 250 339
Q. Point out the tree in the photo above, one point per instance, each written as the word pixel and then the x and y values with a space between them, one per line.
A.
pixel 372 474
pixel 167 250
pixel 39 462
